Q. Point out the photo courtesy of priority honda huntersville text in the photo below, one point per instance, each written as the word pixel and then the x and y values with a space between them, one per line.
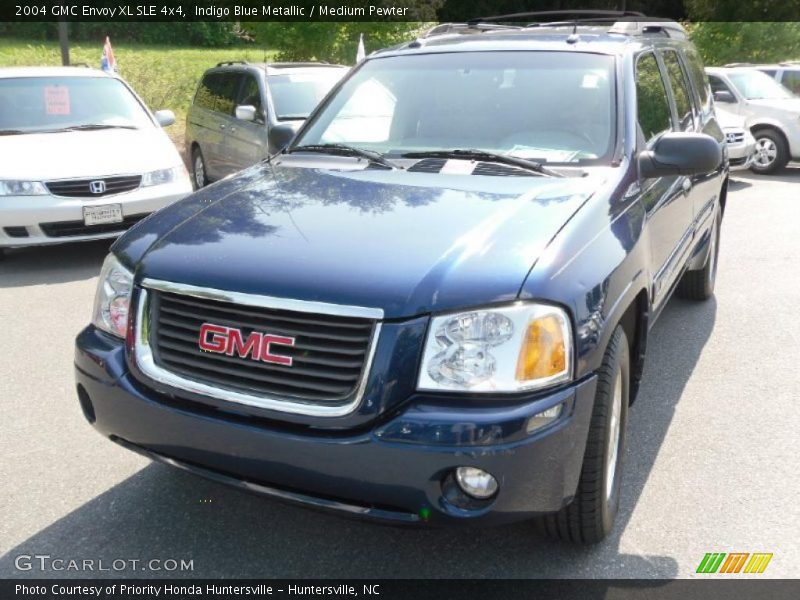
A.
pixel 432 304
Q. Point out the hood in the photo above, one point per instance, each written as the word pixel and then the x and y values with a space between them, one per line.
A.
pixel 729 120
pixel 103 152
pixel 408 243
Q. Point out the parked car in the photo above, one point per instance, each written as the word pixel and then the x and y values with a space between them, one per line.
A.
pixel 83 157
pixel 241 111
pixel 771 111
pixel 785 73
pixel 433 306
pixel 740 142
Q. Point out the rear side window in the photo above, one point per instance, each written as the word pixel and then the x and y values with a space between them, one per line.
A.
pixel 218 92
pixel 791 79
pixel 652 102
pixel 680 90
pixel 697 74
pixel 206 93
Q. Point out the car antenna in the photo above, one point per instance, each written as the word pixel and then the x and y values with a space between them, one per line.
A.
pixel 573 38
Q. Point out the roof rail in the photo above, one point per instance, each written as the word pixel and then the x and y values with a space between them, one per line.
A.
pixel 227 63
pixel 563 15
pixel 290 65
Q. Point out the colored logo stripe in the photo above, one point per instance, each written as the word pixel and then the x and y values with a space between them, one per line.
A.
pixel 711 562
pixel 758 563
pixel 735 561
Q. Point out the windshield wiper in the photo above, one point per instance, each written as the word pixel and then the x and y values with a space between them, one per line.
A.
pixel 93 126
pixel 522 163
pixel 11 132
pixel 345 150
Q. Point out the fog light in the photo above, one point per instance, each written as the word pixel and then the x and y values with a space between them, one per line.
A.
pixel 543 418
pixel 476 482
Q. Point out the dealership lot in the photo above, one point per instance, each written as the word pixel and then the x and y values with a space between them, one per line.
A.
pixel 711 462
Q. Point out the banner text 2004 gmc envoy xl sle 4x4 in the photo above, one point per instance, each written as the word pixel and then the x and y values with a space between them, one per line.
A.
pixel 433 305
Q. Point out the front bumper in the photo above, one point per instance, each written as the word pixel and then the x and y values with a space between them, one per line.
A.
pixel 393 471
pixel 741 154
pixel 21 217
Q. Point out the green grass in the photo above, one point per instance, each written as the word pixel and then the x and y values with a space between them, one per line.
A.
pixel 164 76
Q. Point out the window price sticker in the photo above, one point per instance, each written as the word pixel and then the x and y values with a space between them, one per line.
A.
pixel 56 100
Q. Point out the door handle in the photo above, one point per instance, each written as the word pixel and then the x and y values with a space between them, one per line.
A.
pixel 233 129
pixel 687 185
pixel 222 125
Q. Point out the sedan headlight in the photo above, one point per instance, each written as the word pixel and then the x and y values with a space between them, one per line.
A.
pixel 509 349
pixel 112 302
pixel 161 176
pixel 22 188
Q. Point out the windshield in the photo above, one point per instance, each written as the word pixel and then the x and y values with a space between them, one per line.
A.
pixel 755 85
pixel 553 107
pixel 31 104
pixel 295 95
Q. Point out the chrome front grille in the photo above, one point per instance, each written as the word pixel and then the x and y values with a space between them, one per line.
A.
pixel 330 353
pixel 89 188
pixel 734 137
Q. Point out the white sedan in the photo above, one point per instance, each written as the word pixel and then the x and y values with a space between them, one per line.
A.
pixel 82 157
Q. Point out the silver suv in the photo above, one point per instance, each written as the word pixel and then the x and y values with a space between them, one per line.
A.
pixel 771 111
pixel 242 113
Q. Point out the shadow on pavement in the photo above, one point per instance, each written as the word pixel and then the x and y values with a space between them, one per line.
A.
pixel 45 265
pixel 791 174
pixel 167 514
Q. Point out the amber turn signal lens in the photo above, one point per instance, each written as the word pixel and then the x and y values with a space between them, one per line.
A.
pixel 544 350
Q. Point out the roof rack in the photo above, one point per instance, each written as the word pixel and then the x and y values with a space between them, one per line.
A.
pixel 227 63
pixel 580 15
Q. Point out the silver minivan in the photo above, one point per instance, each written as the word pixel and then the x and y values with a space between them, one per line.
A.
pixel 243 112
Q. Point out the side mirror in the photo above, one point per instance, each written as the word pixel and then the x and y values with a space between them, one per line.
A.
pixel 246 112
pixel 724 96
pixel 679 153
pixel 165 118
pixel 280 136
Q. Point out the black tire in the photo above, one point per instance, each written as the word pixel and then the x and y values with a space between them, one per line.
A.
pixel 199 171
pixel 699 285
pixel 772 152
pixel 590 516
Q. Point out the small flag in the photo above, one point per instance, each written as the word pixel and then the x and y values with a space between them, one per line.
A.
pixel 108 62
pixel 361 53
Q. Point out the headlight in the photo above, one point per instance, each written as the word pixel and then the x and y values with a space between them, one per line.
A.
pixel 113 297
pixel 161 176
pixel 22 188
pixel 508 349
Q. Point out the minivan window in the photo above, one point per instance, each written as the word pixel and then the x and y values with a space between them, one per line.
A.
pixel 251 95
pixel 555 107
pixel 697 74
pixel 227 92
pixel 295 95
pixel 651 99
pixel 31 104
pixel 680 90
pixel 755 85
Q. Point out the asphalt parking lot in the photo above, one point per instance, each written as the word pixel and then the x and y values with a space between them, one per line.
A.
pixel 712 460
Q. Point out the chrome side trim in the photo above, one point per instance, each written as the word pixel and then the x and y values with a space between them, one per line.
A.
pixel 143 355
pixel 324 308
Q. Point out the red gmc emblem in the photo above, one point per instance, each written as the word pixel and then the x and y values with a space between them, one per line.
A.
pixel 257 346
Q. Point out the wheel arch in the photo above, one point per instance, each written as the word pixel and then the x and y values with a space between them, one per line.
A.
pixel 635 323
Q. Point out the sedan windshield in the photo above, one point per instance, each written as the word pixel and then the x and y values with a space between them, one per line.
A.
pixel 295 95
pixel 755 85
pixel 553 107
pixel 36 104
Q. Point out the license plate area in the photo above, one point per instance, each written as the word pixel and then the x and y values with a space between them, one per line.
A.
pixel 101 215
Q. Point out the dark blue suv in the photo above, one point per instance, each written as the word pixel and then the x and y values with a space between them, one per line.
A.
pixel 433 305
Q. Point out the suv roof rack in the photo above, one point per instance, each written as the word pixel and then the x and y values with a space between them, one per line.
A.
pixel 227 63
pixel 625 22
pixel 580 15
